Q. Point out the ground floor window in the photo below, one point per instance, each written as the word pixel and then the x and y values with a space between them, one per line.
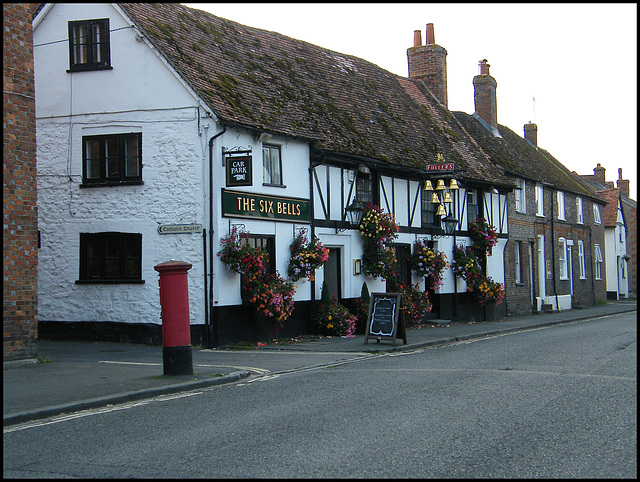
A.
pixel 110 257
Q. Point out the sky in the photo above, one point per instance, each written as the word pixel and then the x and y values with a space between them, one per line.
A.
pixel 569 68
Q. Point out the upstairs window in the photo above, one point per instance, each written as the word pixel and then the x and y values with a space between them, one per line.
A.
pixel 112 159
pixel 271 165
pixel 560 196
pixel 364 187
pixel 596 214
pixel 473 211
pixel 579 210
pixel 539 200
pixel 89 45
pixel 429 218
pixel 110 257
pixel 521 197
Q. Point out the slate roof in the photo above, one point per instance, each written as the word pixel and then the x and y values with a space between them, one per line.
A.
pixel 266 81
pixel 520 158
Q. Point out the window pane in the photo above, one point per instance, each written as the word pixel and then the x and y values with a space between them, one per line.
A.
pixel 132 258
pixel 276 175
pixel 132 160
pixel 79 44
pixel 96 30
pixel 95 256
pixel 112 154
pixel 364 189
pixel 112 258
pixel 92 152
pixel 428 209
pixel 266 165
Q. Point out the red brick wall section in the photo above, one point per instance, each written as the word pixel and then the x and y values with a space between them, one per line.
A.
pixel 20 222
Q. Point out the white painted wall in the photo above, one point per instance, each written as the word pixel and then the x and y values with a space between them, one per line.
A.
pixel 140 94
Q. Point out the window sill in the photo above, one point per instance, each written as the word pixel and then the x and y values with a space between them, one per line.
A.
pixel 89 68
pixel 274 185
pixel 111 184
pixel 540 215
pixel 520 284
pixel 109 281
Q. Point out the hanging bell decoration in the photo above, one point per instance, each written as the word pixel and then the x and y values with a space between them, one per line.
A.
pixel 434 198
pixel 440 211
pixel 453 185
pixel 440 185
pixel 428 186
pixel 447 198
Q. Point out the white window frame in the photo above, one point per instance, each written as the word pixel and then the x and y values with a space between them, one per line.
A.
pixel 583 271
pixel 560 199
pixel 521 196
pixel 517 263
pixel 596 214
pixel 272 174
pixel 562 258
pixel 539 200
pixel 579 210
pixel 598 261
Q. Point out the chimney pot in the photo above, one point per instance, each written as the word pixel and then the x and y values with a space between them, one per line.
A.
pixel 484 95
pixel 417 38
pixel 431 38
pixel 484 67
pixel 619 173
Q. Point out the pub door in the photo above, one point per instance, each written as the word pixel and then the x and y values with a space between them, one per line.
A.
pixel 333 273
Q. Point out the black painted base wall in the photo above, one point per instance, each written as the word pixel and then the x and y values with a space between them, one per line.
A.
pixel 233 325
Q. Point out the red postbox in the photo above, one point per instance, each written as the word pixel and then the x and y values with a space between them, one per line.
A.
pixel 174 306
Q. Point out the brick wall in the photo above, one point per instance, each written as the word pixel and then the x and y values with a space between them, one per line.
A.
pixel 20 230
pixel 525 227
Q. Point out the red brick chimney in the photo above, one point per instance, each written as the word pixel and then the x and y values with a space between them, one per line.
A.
pixel 622 184
pixel 429 64
pixel 484 95
pixel 598 173
pixel 531 133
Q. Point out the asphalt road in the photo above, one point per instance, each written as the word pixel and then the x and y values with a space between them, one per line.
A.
pixel 553 402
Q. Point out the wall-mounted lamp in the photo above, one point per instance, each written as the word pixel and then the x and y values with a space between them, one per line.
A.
pixel 441 195
pixel 263 137
pixel 364 169
pixel 353 213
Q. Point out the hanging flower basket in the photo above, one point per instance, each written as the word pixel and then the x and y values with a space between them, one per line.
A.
pixel 377 229
pixel 483 288
pixel 377 226
pixel 306 257
pixel 429 264
pixel 483 234
pixel 239 256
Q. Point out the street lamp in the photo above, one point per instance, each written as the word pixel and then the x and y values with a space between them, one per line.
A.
pixel 353 212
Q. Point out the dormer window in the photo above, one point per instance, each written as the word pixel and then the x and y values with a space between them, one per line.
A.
pixel 89 45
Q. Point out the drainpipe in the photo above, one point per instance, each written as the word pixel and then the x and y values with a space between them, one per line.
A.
pixel 214 316
pixel 553 254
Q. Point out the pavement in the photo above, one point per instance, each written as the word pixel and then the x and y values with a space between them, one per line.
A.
pixel 70 376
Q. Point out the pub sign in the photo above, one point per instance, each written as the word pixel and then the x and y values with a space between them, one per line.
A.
pixel 261 206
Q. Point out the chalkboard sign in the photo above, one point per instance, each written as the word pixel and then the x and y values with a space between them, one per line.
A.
pixel 384 321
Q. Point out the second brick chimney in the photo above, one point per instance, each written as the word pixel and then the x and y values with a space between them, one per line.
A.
pixel 429 64
pixel 531 133
pixel 598 174
pixel 484 95
pixel 622 184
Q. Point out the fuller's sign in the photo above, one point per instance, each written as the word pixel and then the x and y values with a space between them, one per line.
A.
pixel 440 167
pixel 250 205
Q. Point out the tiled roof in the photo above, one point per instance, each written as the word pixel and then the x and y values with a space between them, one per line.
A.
pixel 267 81
pixel 610 216
pixel 520 158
